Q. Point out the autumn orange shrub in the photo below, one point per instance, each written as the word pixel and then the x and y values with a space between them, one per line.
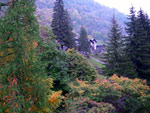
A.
pixel 136 87
pixel 124 94
pixel 85 105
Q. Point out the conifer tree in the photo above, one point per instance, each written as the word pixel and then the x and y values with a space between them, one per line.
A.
pixel 112 55
pixel 115 59
pixel 84 44
pixel 61 25
pixel 138 42
pixel 131 38
pixel 24 87
pixel 143 45
pixel 130 45
pixel 127 66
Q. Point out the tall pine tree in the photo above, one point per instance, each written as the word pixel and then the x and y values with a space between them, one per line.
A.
pixel 130 44
pixel 84 44
pixel 131 38
pixel 138 42
pixel 112 56
pixel 143 45
pixel 61 25
pixel 24 87
pixel 115 58
pixel 127 66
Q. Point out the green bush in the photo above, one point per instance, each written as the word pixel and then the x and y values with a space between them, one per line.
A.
pixel 79 67
pixel 63 66
pixel 55 60
pixel 85 105
pixel 124 94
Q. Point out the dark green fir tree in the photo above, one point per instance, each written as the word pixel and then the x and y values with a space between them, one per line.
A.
pixel 61 25
pixel 24 87
pixel 131 38
pixel 116 61
pixel 143 45
pixel 113 48
pixel 84 44
pixel 138 42
pixel 127 66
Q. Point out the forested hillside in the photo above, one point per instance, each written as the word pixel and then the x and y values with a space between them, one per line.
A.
pixel 94 16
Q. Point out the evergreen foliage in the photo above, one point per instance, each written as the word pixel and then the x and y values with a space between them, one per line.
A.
pixel 112 56
pixel 93 16
pixel 63 67
pixel 61 25
pixel 127 66
pixel 131 31
pixel 84 44
pixel 115 58
pixel 24 87
pixel 29 64
pixel 138 42
pixel 55 59
pixel 143 45
pixel 79 67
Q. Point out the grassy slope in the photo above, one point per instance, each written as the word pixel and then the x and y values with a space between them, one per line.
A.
pixel 98 67
pixel 96 63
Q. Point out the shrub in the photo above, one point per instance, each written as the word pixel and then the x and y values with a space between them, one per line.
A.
pixel 85 105
pixel 63 66
pixel 79 67
pixel 124 94
pixel 55 59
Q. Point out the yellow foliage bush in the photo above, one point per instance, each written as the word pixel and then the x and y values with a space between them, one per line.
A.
pixel 123 93
pixel 132 86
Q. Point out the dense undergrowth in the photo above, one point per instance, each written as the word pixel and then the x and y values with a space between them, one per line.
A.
pixel 112 95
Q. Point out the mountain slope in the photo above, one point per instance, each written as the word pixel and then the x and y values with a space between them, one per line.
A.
pixel 94 16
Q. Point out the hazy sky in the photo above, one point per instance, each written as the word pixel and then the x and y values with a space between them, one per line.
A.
pixel 124 5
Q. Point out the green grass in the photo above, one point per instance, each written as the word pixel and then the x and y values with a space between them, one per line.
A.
pixel 99 65
pixel 98 56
